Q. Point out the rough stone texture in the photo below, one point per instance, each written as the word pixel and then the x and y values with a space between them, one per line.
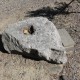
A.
pixel 43 41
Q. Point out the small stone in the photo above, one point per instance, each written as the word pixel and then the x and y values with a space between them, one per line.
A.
pixel 25 31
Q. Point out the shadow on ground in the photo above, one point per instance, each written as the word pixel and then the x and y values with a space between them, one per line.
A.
pixel 33 55
pixel 1 45
pixel 61 78
pixel 50 12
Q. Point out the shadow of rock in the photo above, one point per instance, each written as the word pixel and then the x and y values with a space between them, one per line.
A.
pixel 33 55
pixel 1 45
pixel 61 78
pixel 49 12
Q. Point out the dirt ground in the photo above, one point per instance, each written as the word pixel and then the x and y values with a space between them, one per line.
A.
pixel 12 11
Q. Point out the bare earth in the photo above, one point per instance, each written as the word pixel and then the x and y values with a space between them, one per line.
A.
pixel 15 67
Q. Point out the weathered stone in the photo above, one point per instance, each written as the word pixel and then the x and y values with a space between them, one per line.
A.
pixel 36 37
pixel 67 41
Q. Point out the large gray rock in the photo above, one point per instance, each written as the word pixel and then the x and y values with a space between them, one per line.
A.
pixel 37 38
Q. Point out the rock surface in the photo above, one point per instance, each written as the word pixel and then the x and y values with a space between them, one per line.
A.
pixel 37 38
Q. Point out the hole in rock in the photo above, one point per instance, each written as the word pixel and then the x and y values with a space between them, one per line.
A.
pixel 31 30
pixel 61 77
